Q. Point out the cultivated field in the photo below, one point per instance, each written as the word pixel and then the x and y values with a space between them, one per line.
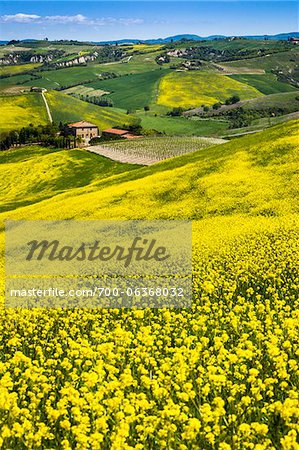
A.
pixel 65 108
pixel 85 90
pixel 191 89
pixel 68 76
pixel 65 77
pixel 135 64
pixel 10 83
pixel 267 84
pixel 146 48
pixel 132 91
pixel 44 173
pixel 21 110
pixel 222 373
pixel 288 101
pixel 180 126
pixel 278 61
pixel 151 150
pixel 20 68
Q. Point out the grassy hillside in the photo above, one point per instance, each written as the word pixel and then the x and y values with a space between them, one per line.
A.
pixel 180 126
pixel 23 82
pixel 278 61
pixel 282 103
pixel 116 379
pixel 240 177
pixel 267 84
pixel 191 89
pixel 134 64
pixel 80 89
pixel 132 91
pixel 40 173
pixel 68 109
pixel 21 110
pixel 240 44
pixel 68 76
pixel 287 101
pixel 13 70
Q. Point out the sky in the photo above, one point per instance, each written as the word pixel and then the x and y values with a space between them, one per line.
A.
pixel 111 20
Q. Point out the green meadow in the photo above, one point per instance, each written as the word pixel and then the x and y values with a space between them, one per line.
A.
pixel 267 84
pixel 279 61
pixel 42 173
pixel 65 108
pixel 239 177
pixel 19 68
pixel 181 126
pixel 21 110
pixel 132 91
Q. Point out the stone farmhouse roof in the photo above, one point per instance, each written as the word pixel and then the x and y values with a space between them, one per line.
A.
pixel 82 124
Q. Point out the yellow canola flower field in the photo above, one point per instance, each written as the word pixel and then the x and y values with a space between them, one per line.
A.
pixel 222 374
pixel 192 89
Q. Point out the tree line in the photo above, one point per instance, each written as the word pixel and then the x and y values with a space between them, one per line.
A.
pixel 50 135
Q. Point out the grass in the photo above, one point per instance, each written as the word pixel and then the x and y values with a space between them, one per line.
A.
pixel 240 44
pixel 44 47
pixel 261 124
pixel 85 90
pixel 20 68
pixel 288 101
pixel 279 61
pixel 282 103
pixel 42 173
pixel 267 84
pixel 7 49
pixel 180 126
pixel 132 91
pixel 17 80
pixel 18 111
pixel 65 108
pixel 239 177
pixel 192 89
pixel 135 64
pixel 68 76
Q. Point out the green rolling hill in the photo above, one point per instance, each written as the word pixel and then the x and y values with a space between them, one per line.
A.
pixel 239 177
pixel 65 108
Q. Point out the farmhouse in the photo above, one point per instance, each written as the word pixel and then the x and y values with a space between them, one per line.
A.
pixel 115 133
pixel 294 40
pixel 37 89
pixel 84 130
